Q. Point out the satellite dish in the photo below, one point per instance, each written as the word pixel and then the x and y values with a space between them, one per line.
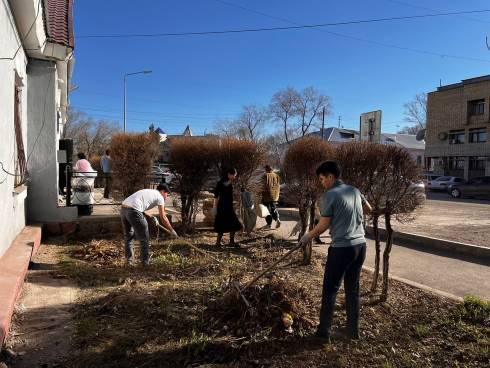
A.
pixel 420 135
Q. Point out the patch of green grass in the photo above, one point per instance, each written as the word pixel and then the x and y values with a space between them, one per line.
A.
pixel 197 343
pixel 172 260
pixel 422 330
pixel 388 364
pixel 475 309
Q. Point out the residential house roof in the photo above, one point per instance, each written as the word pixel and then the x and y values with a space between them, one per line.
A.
pixel 340 135
pixel 59 21
pixel 407 141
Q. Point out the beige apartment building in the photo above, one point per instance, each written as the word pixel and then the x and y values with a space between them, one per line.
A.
pixel 458 127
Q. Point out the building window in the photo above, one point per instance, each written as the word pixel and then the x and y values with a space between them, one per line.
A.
pixel 456 163
pixel 456 137
pixel 419 160
pixel 477 107
pixel 20 162
pixel 478 135
pixel 477 163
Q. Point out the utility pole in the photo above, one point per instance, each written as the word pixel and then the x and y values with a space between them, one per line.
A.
pixel 323 121
pixel 124 103
pixel 340 117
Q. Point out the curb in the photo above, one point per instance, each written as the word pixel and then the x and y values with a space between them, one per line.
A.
pixel 420 286
pixel 464 249
pixel 13 269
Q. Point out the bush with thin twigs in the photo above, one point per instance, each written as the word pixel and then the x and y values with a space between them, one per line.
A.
pixel 132 156
pixel 194 161
pixel 302 187
pixel 385 175
pixel 246 157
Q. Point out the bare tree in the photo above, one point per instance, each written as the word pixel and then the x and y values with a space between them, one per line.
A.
pixel 248 126
pixel 274 145
pixel 415 113
pixel 302 186
pixel 90 136
pixel 283 107
pixel 309 108
pixel 252 121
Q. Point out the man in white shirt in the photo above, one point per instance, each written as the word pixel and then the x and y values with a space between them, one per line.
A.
pixel 133 212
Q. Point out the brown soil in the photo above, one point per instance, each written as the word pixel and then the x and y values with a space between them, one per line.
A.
pixel 183 312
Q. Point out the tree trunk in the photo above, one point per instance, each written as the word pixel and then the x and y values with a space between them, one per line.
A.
pixel 303 216
pixel 377 245
pixel 308 249
pixel 386 256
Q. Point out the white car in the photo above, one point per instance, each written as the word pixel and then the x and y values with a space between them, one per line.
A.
pixel 442 182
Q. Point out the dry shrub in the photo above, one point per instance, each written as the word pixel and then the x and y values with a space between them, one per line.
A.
pixel 95 163
pixel 245 156
pixel 132 157
pixel 269 302
pixel 194 160
pixel 300 163
pixel 385 175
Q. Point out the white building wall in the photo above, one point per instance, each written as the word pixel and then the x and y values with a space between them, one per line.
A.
pixel 43 101
pixel 12 212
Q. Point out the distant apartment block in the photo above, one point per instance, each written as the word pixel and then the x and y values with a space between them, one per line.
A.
pixel 458 123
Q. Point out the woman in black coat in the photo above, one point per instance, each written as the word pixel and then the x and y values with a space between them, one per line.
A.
pixel 226 220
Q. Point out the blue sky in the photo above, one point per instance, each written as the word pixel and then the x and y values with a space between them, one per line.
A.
pixel 198 80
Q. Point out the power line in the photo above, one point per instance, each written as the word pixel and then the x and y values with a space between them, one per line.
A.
pixel 377 43
pixel 269 29
pixel 429 9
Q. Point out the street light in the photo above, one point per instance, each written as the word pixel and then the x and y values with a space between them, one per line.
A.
pixel 125 76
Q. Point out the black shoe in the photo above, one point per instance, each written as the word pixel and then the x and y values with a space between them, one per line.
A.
pixel 319 241
pixel 346 333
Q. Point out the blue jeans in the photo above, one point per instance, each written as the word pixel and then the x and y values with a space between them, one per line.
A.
pixel 135 227
pixel 342 263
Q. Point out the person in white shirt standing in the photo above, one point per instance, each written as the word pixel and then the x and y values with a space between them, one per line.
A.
pixel 135 226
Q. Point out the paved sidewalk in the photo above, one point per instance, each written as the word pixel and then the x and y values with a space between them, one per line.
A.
pixel 451 275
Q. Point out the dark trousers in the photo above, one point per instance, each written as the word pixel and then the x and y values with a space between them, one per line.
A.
pixel 108 185
pixel 346 263
pixel 274 215
pixel 135 226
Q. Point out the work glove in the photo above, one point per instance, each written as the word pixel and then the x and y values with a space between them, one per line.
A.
pixel 173 234
pixel 305 239
pixel 155 221
pixel 214 211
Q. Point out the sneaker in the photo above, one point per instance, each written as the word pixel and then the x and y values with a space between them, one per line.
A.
pixel 278 224
pixel 321 337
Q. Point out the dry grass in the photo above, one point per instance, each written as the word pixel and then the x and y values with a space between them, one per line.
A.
pixel 180 312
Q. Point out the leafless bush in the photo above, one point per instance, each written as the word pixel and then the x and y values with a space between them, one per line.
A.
pixel 194 162
pixel 385 175
pixel 300 163
pixel 132 157
pixel 244 155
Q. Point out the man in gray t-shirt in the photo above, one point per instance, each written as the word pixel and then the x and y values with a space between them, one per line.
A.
pixel 342 211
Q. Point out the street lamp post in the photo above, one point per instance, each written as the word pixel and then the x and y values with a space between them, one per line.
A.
pixel 125 76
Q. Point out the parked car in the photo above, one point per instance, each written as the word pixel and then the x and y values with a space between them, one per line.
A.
pixel 442 182
pixel 426 178
pixel 477 187
pixel 418 190
pixel 162 173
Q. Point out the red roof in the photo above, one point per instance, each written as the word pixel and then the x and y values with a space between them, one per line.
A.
pixel 59 21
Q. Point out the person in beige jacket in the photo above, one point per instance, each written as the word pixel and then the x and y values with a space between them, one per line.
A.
pixel 270 195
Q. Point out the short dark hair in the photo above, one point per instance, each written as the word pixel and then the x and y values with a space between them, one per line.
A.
pixel 232 171
pixel 163 187
pixel 107 152
pixel 329 167
pixel 268 168
pixel 81 156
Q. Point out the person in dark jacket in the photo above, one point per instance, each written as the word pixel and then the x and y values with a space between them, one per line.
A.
pixel 226 220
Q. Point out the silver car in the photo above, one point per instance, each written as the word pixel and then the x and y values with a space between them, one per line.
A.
pixel 443 182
